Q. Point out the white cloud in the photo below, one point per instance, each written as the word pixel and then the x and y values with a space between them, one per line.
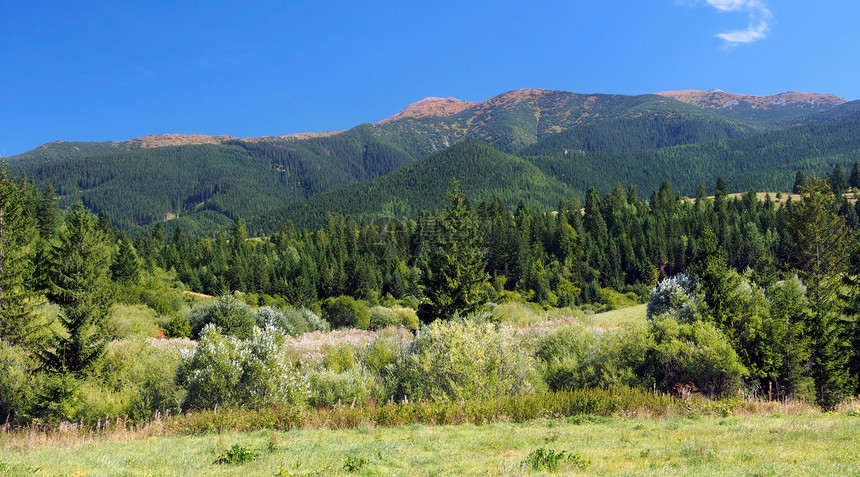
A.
pixel 759 20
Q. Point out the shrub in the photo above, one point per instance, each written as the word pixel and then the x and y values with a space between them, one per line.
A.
pixel 225 370
pixel 236 455
pixel 15 387
pixel 382 317
pixel 377 355
pixel 575 357
pixel 289 320
pixel 330 387
pixel 177 327
pixel 675 296
pixel 462 360
pixel 548 460
pixel 143 372
pixel 268 316
pixel 230 314
pixel 340 358
pixel 345 312
pixel 695 354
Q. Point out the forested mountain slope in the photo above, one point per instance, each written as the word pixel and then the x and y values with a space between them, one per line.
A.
pixel 571 141
pixel 483 173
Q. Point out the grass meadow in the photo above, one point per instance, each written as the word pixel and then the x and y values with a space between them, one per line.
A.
pixel 809 443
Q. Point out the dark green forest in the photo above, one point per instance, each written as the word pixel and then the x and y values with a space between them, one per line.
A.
pixel 774 282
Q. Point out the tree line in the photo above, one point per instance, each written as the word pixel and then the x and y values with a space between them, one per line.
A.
pixel 741 252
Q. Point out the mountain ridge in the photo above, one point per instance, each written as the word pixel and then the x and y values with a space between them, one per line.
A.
pixel 436 107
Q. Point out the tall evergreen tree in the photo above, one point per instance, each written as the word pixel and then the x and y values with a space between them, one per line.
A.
pixel 47 213
pixel 455 267
pixel 818 235
pixel 125 267
pixel 839 179
pixel 800 182
pixel 15 297
pixel 854 178
pixel 78 285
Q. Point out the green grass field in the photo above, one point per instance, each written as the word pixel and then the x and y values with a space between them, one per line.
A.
pixel 808 444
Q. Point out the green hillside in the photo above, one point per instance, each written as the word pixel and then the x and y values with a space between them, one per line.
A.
pixel 141 186
pixel 766 161
pixel 483 172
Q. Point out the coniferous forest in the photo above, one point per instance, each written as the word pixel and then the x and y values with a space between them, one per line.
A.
pixel 745 294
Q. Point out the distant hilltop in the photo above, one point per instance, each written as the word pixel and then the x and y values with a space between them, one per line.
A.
pixel 718 99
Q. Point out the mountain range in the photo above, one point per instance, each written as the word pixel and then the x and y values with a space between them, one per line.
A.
pixel 531 146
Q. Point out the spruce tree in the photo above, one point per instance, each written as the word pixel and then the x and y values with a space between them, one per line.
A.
pixel 854 178
pixel 125 267
pixel 78 284
pixel 455 265
pixel 47 213
pixel 817 242
pixel 15 297
pixel 800 182
pixel 839 179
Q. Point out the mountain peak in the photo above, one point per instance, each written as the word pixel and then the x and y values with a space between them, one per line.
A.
pixel 428 107
pixel 718 99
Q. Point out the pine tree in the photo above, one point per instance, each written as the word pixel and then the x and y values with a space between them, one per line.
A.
pixel 818 235
pixel 854 178
pixel 455 267
pixel 78 285
pixel 125 267
pixel 800 182
pixel 715 277
pixel 47 213
pixel 15 297
pixel 839 179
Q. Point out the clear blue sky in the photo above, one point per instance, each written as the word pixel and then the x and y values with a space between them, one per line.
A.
pixel 98 71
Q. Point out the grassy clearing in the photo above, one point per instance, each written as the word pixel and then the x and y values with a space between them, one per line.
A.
pixel 625 317
pixel 808 444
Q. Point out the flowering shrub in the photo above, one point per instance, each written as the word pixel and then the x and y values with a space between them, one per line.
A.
pixel 289 321
pixel 675 296
pixel 225 370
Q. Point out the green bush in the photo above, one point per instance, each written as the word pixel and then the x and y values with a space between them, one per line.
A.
pixel 127 321
pixel 230 314
pixel 345 312
pixel 237 454
pixel 339 358
pixel 15 385
pixel 575 357
pixel 228 371
pixel 289 321
pixel 460 360
pixel 144 371
pixel 382 317
pixel 565 355
pixel 177 327
pixel 377 355
pixel 695 354
pixel 329 387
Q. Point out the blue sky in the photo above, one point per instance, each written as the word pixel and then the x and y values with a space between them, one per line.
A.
pixel 99 71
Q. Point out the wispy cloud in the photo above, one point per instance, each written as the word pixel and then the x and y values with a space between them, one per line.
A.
pixel 760 18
